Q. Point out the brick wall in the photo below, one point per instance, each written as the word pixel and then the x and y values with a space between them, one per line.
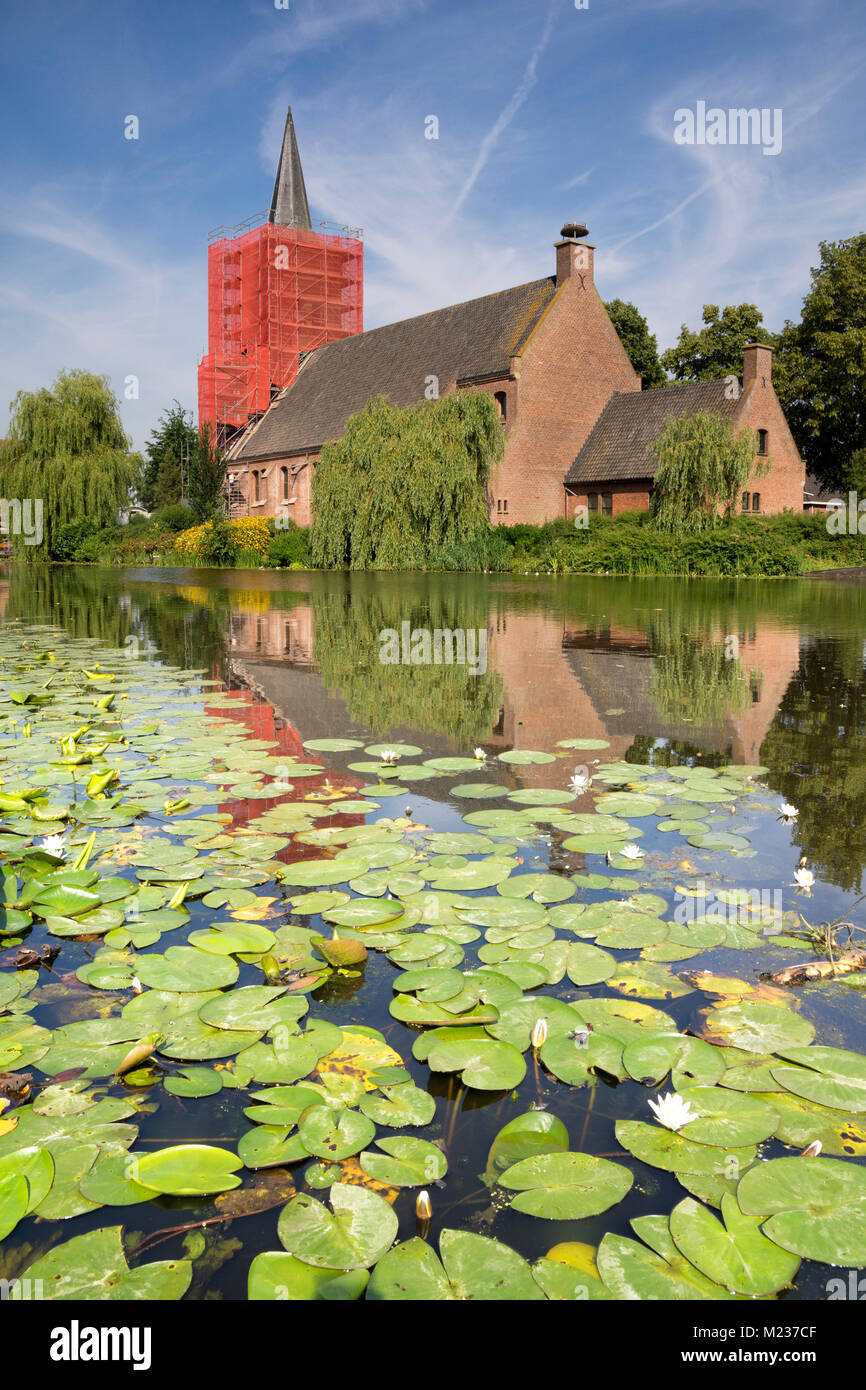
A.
pixel 632 495
pixel 277 495
pixel 567 372
pixel 781 485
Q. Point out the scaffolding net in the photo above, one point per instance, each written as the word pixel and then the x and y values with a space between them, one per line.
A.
pixel 274 293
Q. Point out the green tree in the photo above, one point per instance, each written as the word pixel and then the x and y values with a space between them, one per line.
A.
pixel 403 482
pixel 702 465
pixel 168 450
pixel 67 448
pixel 207 475
pixel 716 350
pixel 820 369
pixel 639 343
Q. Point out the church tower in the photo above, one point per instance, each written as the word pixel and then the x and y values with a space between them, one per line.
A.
pixel 276 291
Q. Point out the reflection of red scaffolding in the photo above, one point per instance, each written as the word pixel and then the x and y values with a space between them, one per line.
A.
pixel 273 293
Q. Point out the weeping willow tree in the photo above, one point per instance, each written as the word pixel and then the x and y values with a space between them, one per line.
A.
pixel 404 481
pixel 702 465
pixel 67 448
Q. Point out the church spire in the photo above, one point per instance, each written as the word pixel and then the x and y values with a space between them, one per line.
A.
pixel 289 206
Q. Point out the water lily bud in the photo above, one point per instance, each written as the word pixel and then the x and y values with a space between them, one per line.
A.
pixel 408 810
pixel 812 1150
pixel 423 1206
pixel 139 1053
pixel 271 967
pixel 538 1036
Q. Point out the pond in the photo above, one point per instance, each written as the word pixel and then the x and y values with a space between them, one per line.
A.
pixel 315 883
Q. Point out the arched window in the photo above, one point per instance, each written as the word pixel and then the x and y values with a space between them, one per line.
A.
pixel 745 501
pixel 592 501
pixel 502 401
pixel 756 501
pixel 284 483
pixel 762 442
pixel 257 485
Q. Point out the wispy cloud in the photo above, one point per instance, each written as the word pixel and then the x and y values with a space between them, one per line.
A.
pixel 506 116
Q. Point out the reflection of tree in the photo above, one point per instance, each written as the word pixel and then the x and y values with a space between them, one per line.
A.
pixel 695 676
pixel 347 620
pixel 816 752
pixel 98 603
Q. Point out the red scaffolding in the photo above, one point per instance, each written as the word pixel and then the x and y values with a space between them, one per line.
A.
pixel 274 293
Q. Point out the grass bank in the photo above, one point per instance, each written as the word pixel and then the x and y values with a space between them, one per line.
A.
pixel 745 546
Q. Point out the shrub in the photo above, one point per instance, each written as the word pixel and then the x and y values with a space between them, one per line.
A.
pixel 290 547
pixel 247 535
pixel 68 540
pixel 487 551
pixel 219 545
pixel 175 517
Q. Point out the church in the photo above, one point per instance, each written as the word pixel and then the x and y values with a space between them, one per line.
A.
pixel 288 363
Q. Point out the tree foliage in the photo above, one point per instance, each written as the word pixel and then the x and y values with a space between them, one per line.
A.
pixel 171 443
pixel 702 465
pixel 207 475
pixel 716 350
pixel 67 447
pixel 820 368
pixel 639 343
pixel 403 482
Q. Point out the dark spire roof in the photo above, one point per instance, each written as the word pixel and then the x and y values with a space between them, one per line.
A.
pixel 289 206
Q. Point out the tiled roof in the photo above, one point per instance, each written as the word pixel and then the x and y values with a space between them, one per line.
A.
pixel 474 339
pixel 619 444
pixel 815 495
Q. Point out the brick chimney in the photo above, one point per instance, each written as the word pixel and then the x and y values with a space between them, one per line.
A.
pixel 575 258
pixel 757 365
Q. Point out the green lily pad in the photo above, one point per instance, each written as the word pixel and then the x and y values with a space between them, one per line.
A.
pixel 663 1148
pixel 732 1252
pixel 354 1235
pixel 404 1162
pixel 334 1134
pixel 484 1064
pixel 184 1170
pixel 471 1267
pixel 94 1266
pixel 812 1207
pixel 566 1186
pixel 829 1075
pixel 400 1105
pixel 183 969
pixel 526 1136
pixel 277 1275
pixel 732 1118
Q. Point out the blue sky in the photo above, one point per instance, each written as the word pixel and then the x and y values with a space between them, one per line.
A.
pixel 545 112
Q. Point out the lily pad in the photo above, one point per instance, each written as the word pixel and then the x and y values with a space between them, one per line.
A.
pixel 566 1186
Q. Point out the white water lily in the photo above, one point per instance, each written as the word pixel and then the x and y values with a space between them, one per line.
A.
pixel 53 844
pixel 388 755
pixel 672 1111
pixel 631 852
pixel 787 811
pixel 580 782
pixel 480 755
pixel 538 1036
pixel 804 878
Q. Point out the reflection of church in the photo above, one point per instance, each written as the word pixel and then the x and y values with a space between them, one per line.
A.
pixel 593 677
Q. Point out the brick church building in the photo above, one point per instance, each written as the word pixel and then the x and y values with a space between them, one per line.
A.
pixel 578 427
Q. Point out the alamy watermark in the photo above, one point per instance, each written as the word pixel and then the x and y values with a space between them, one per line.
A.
pixel 738 125
pixel 22 517
pixel 422 646
pixel 741 905
pixel 847 518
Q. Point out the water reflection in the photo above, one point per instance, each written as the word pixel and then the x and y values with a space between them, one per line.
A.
pixel 769 673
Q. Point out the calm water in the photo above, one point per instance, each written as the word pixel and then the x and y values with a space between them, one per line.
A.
pixel 665 672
